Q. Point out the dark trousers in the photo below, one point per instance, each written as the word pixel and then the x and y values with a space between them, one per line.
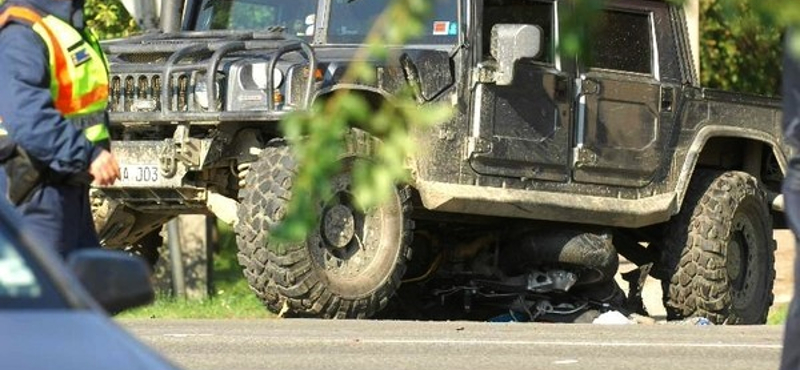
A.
pixel 59 217
pixel 790 357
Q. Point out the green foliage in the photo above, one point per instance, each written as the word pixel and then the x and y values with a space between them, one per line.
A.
pixel 778 314
pixel 794 45
pixel 577 27
pixel 777 13
pixel 740 47
pixel 109 19
pixel 318 136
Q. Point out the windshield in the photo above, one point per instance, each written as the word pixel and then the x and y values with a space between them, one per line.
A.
pixel 297 17
pixel 351 21
pixel 22 284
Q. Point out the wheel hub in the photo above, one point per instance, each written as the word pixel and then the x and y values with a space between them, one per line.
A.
pixel 347 242
pixel 734 261
pixel 739 258
pixel 338 226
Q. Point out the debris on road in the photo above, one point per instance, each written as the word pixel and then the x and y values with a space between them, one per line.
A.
pixel 613 318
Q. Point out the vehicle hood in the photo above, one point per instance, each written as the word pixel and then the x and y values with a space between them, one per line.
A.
pixel 71 340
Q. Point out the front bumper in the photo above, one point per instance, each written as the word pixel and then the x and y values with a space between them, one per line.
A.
pixel 158 175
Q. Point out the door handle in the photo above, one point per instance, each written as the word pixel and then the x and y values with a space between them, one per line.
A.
pixel 667 99
pixel 561 89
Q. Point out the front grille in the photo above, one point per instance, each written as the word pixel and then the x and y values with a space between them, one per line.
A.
pixel 181 102
pixel 142 93
pixel 135 93
pixel 162 81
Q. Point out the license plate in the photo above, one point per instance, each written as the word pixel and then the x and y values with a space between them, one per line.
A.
pixel 139 174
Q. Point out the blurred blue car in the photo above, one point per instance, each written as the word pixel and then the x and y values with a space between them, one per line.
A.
pixel 54 315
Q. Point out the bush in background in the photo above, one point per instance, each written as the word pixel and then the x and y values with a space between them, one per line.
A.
pixel 109 19
pixel 740 50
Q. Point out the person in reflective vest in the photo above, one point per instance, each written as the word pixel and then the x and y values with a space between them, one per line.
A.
pixel 52 105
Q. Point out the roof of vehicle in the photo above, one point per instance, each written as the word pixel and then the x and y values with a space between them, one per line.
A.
pixel 72 340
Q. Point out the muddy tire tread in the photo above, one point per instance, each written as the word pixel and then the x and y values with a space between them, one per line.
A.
pixel 695 248
pixel 285 277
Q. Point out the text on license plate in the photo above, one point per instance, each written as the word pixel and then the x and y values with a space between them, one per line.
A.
pixel 139 174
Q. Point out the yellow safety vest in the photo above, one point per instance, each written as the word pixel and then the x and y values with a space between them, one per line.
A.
pixel 78 69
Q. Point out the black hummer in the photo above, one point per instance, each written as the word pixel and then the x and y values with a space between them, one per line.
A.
pixel 549 169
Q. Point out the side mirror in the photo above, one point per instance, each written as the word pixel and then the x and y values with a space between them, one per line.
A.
pixel 509 44
pixel 116 280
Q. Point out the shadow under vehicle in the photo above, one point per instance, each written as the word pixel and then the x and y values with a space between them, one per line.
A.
pixel 549 170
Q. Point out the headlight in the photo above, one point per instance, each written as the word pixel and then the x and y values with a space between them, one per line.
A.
pixel 201 92
pixel 260 76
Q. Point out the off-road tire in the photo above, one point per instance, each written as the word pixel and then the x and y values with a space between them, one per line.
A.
pixel 266 181
pixel 718 252
pixel 306 277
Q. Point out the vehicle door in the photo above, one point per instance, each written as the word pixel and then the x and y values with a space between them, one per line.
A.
pixel 623 107
pixel 522 130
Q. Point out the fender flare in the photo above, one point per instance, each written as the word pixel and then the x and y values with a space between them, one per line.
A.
pixel 716 131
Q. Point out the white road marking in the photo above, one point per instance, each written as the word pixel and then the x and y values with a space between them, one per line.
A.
pixel 570 343
pixel 565 362
pixel 498 342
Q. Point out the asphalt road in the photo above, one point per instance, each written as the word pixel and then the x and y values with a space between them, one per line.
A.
pixel 370 345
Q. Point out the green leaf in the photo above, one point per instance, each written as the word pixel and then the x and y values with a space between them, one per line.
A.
pixel 795 43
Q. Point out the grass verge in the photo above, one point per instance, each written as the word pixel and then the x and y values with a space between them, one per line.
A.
pixel 777 314
pixel 231 296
